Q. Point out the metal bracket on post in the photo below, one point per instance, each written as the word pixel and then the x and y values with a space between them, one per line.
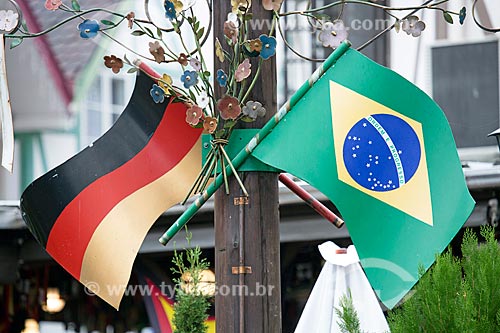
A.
pixel 240 201
pixel 237 270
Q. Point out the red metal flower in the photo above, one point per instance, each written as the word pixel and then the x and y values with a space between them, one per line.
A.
pixel 193 115
pixel 53 4
pixel 114 63
pixel 231 31
pixel 229 107
pixel 130 18
pixel 157 51
pixel 183 59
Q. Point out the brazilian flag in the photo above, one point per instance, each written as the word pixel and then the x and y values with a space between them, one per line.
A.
pixel 382 151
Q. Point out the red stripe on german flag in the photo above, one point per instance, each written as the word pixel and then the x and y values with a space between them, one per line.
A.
pixel 97 234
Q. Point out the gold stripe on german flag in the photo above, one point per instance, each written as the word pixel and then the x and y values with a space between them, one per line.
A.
pixel 93 212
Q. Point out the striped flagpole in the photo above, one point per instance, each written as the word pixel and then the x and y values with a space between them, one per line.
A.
pixel 311 201
pixel 249 148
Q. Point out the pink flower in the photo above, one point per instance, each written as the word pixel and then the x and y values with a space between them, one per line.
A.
pixel 193 115
pixel 229 107
pixel 231 31
pixel 53 4
pixel 243 71
pixel 195 63
pixel 271 4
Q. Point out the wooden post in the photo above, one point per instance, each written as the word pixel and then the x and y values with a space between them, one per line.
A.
pixel 247 232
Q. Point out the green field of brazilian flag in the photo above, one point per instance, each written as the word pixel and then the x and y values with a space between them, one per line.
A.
pixel 382 151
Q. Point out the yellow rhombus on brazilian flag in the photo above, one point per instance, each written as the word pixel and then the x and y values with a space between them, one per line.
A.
pixel 382 151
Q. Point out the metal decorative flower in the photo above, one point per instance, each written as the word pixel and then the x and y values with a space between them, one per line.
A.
pixel 255 45
pixel 231 31
pixel 157 51
pixel 114 63
pixel 237 5
pixel 203 99
pixel 53 4
pixel 183 59
pixel 219 52
pixel 193 115
pixel 268 46
pixel 8 20
pixel 189 78
pixel 170 11
pixel 253 110
pixel 243 71
pixel 195 63
pixel 462 15
pixel 272 4
pixel 229 107
pixel 210 124
pixel 221 78
pixel 413 26
pixel 165 83
pixel 130 19
pixel 88 28
pixel 157 93
pixel 333 34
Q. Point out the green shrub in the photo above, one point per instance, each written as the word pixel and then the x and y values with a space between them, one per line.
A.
pixel 191 306
pixel 456 295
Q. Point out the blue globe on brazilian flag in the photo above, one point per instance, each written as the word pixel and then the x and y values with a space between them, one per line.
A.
pixel 382 151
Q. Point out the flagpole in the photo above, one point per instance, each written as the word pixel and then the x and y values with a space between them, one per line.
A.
pixel 249 148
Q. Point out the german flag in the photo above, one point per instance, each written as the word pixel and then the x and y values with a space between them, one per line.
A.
pixel 92 212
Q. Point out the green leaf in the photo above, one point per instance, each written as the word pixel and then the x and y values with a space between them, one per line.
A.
pixel 24 25
pixel 138 33
pixel 200 33
pixel 206 74
pixel 75 5
pixel 447 17
pixel 220 133
pixel 133 70
pixel 107 22
pixel 126 59
pixel 196 25
pixel 15 42
pixel 229 123
pixel 193 97
pixel 159 33
pixel 149 32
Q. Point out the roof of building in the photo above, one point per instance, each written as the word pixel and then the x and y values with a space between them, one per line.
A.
pixel 64 51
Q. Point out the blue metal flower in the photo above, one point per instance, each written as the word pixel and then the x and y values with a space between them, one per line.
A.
pixel 221 78
pixel 88 28
pixel 170 12
pixel 157 93
pixel 268 46
pixel 463 13
pixel 189 78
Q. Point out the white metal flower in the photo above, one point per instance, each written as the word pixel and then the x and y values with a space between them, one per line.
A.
pixel 232 17
pixel 412 25
pixel 333 34
pixel 203 100
pixel 8 20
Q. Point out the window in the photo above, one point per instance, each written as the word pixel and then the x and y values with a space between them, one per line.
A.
pixel 465 85
pixel 106 99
